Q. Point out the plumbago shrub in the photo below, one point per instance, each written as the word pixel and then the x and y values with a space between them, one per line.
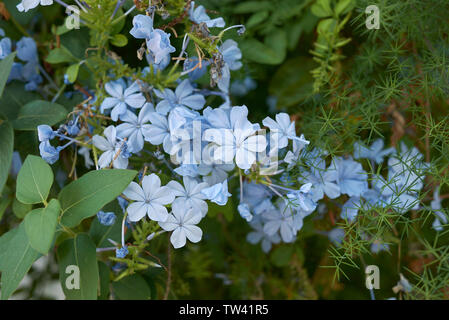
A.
pixel 223 149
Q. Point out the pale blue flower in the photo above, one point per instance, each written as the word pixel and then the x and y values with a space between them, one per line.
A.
pixel 106 218
pixel 212 172
pixel 240 143
pixel 142 27
pixel 258 235
pixel 182 97
pixel 121 98
pixel 121 252
pixel 375 152
pixel 336 236
pixel 378 246
pixel 190 194
pixel 242 87
pixel 5 48
pixel 26 5
pixel 218 193
pixel 323 181
pixel 231 56
pixel 187 170
pixel 182 221
pixel 158 132
pixel 350 209
pixel 435 204
pixel 159 46
pixel 135 128
pixel 150 199
pixel 49 153
pixel 199 15
pixel 113 150
pixel 301 198
pixel 280 220
pixel 351 178
pixel 244 211
pixel 45 132
pixel 2 32
pixel 27 50
pixel 197 73
pixel 163 63
pixel 283 129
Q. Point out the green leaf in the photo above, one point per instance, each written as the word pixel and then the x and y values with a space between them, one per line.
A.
pixel 60 55
pixel 6 150
pixel 101 233
pixel 20 209
pixel 252 6
pixel 119 40
pixel 72 72
pixel 272 52
pixel 84 197
pixel 16 258
pixel 104 272
pixel 5 69
pixel 39 112
pixel 40 226
pixel 256 19
pixel 132 287
pixel 79 252
pixel 34 180
pixel 14 98
pixel 344 6
pixel 322 8
pixel 4 203
pixel 281 255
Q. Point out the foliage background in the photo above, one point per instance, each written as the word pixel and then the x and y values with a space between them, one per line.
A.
pixel 343 83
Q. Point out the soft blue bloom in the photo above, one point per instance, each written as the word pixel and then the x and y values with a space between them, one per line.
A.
pixel 149 199
pixel 254 193
pixel 142 27
pixel 2 32
pixel 258 235
pixel 199 15
pixel 351 178
pixel 440 218
pixel 122 203
pixel 231 56
pixel 122 97
pixel 282 129
pixel 244 211
pixel 164 62
pixel 242 87
pixel 375 152
pixel 5 48
pixel 85 152
pixel 113 150
pixel 45 132
pixel 190 194
pixel 72 127
pixel 240 143
pixel 301 198
pixel 182 221
pixel 378 246
pixel 26 5
pixel 218 193
pixel 135 128
pixel 159 46
pixel 121 252
pixel 16 164
pixel 213 173
pixel 106 218
pixel 48 152
pixel 264 206
pixel 182 97
pixel 336 236
pixel 27 50
pixel 280 220
pixel 350 209
pixel 323 181
pixel 187 170
pixel 158 132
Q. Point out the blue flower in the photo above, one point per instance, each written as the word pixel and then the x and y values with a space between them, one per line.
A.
pixel 350 209
pixel 323 181
pixel 258 235
pixel 336 236
pixel 440 218
pixel 244 211
pixel 351 177
pixel 149 199
pixel 187 170
pixel 199 15
pixel 301 198
pixel 378 246
pixel 280 220
pixel 231 56
pixel 27 50
pixel 190 194
pixel 113 151
pixel 142 27
pixel 45 132
pixel 182 97
pixel 283 129
pixel 5 48
pixel 375 152
pixel 106 218
pixel 26 5
pixel 122 252
pixel 159 46
pixel 135 127
pixel 182 221
pixel 158 132
pixel 217 193
pixel 122 98
pixel 241 88
pixel 48 152
pixel 198 72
